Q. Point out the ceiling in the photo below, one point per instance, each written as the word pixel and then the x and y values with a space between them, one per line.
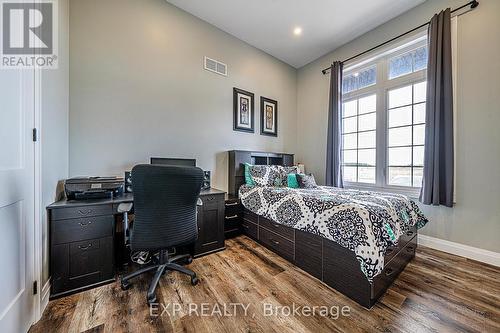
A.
pixel 269 24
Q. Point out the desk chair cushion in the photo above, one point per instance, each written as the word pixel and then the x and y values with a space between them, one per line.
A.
pixel 165 200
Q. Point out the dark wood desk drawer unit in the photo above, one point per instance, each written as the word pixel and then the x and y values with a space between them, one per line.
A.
pixel 81 247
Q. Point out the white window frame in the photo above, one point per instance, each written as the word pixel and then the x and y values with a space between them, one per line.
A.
pixel 381 88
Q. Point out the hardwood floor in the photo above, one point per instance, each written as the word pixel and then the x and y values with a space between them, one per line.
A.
pixel 437 292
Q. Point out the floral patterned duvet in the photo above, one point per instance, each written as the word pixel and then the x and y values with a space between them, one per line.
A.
pixel 361 221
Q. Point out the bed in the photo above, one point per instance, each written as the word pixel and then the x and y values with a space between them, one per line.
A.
pixel 354 241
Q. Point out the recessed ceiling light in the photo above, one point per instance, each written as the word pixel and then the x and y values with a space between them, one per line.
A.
pixel 297 31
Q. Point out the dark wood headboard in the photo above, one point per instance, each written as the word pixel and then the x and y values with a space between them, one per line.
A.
pixel 238 158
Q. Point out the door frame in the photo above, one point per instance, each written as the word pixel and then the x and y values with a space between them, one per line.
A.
pixel 43 291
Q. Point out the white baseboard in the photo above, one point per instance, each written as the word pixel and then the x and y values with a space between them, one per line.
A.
pixel 44 298
pixel 488 257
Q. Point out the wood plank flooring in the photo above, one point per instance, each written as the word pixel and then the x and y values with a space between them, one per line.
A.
pixel 437 292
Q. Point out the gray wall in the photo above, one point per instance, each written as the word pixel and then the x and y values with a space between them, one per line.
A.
pixel 54 125
pixel 138 89
pixel 475 220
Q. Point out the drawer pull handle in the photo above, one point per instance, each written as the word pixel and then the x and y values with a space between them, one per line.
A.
pixel 231 217
pixel 85 247
pixel 389 272
pixel 409 249
pixel 85 212
pixel 275 242
pixel 389 250
pixel 232 204
pixel 245 226
pixel 409 233
pixel 276 225
pixel 83 224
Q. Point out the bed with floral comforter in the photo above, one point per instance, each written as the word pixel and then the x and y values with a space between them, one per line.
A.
pixel 364 222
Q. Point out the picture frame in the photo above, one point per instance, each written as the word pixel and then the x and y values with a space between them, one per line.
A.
pixel 268 116
pixel 243 111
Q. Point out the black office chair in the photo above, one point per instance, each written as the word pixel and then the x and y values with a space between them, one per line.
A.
pixel 165 201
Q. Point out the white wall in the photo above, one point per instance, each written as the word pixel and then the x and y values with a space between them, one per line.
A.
pixel 138 89
pixel 54 138
pixel 475 220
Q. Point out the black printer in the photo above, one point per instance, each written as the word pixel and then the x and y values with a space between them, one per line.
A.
pixel 85 188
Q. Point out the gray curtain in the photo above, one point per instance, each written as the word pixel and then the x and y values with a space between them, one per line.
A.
pixel 437 185
pixel 334 143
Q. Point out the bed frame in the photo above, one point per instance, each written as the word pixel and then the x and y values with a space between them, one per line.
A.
pixel 320 257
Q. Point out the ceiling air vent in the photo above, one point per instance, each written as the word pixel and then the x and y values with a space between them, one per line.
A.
pixel 215 66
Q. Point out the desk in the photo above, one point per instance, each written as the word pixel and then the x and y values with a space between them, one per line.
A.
pixel 83 237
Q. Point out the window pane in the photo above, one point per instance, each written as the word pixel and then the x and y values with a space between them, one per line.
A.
pixel 419 113
pixel 419 135
pixel 350 108
pixel 350 141
pixel 400 65
pixel 350 125
pixel 399 176
pixel 400 97
pixel 349 174
pixel 400 156
pixel 366 175
pixel 367 77
pixel 419 92
pixel 400 136
pixel 368 104
pixel 400 116
pixel 367 139
pixel 350 157
pixel 366 157
pixel 420 58
pixel 368 122
pixel 349 83
pixel 358 80
pixel 417 177
pixel 418 156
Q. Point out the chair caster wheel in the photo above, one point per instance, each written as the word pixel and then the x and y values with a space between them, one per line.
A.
pixel 189 260
pixel 125 285
pixel 151 299
pixel 194 281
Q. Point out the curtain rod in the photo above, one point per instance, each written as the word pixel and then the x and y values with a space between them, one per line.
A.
pixel 473 4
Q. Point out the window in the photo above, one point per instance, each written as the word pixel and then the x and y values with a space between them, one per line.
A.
pixel 406 131
pixel 407 63
pixel 383 118
pixel 359 120
pixel 359 79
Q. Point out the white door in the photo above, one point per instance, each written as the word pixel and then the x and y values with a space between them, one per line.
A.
pixel 16 200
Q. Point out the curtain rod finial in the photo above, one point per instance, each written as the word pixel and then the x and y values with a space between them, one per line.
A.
pixel 474 4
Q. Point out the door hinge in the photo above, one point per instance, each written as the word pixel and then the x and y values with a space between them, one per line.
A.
pixel 35 135
pixel 35 287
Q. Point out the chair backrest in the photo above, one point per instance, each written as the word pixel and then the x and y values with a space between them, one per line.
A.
pixel 164 206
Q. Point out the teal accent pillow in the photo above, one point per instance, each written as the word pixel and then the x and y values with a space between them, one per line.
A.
pixel 292 180
pixel 248 176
